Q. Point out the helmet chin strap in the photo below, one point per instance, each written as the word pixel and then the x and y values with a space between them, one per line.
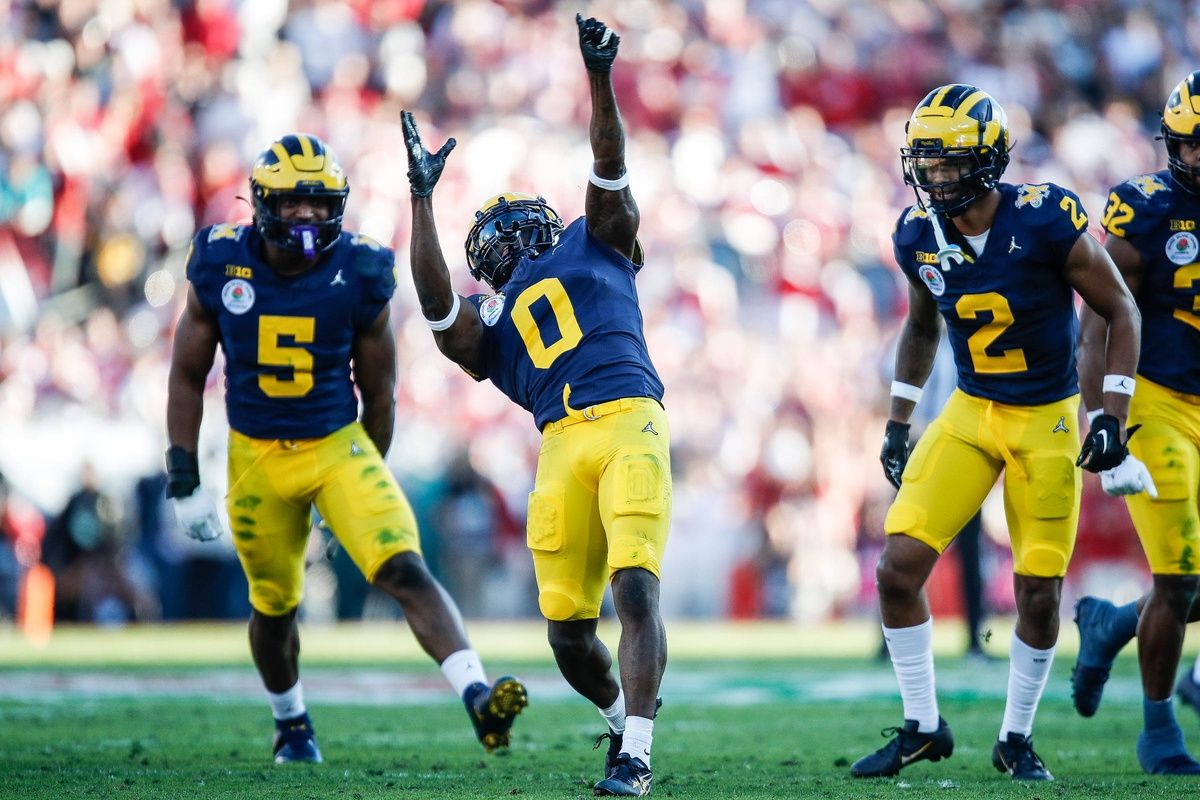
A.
pixel 948 254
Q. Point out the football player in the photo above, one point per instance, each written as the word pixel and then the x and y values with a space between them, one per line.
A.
pixel 1152 236
pixel 300 309
pixel 998 262
pixel 562 336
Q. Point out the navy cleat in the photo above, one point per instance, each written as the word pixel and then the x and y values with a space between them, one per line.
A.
pixel 1164 753
pixel 1097 651
pixel 1016 757
pixel 1188 690
pixel 493 708
pixel 615 741
pixel 630 777
pixel 907 746
pixel 296 741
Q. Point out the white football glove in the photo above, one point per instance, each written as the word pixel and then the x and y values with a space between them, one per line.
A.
pixel 197 515
pixel 1128 477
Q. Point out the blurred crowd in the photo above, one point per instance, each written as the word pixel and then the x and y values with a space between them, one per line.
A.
pixel 763 142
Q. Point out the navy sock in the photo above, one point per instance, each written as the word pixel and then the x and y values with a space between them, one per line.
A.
pixel 1158 715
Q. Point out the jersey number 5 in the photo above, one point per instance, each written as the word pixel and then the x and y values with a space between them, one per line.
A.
pixel 968 307
pixel 569 334
pixel 272 354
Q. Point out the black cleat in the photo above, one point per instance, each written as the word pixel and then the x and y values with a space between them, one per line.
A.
pixel 1016 757
pixel 615 740
pixel 907 747
pixel 295 741
pixel 630 777
pixel 1098 648
pixel 493 709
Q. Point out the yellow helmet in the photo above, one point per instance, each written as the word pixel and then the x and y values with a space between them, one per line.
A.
pixel 1181 123
pixel 962 130
pixel 509 227
pixel 298 164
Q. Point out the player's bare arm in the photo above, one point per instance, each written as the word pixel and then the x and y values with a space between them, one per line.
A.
pixel 917 347
pixel 1093 274
pixel 1093 330
pixel 612 214
pixel 462 337
pixel 375 375
pixel 195 346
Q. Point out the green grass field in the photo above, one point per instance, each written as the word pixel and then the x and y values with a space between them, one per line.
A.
pixel 750 711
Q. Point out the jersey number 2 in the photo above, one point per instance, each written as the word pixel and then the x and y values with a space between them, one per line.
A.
pixel 569 334
pixel 968 307
pixel 273 354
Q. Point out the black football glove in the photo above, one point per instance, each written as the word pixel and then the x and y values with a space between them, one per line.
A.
pixel 183 472
pixel 424 168
pixel 894 455
pixel 598 44
pixel 1103 448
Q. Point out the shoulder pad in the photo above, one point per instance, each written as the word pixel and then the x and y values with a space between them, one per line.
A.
pixel 374 263
pixel 910 226
pixel 1148 194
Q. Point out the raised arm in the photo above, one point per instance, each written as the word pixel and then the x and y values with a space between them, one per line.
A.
pixel 457 331
pixel 914 359
pixel 612 214
pixel 375 375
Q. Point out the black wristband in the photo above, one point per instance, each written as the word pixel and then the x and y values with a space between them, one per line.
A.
pixel 183 472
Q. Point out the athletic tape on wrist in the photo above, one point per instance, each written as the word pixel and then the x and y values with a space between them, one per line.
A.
pixel 1119 384
pixel 615 185
pixel 448 320
pixel 907 391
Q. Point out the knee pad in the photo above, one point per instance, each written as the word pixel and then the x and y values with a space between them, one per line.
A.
pixel 267 597
pixel 559 602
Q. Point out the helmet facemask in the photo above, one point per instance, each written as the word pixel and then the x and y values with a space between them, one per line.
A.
pixel 298 166
pixel 1181 125
pixel 508 228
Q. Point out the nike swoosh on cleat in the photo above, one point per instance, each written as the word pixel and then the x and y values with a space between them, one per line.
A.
pixel 908 759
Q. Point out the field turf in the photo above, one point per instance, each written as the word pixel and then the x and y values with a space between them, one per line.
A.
pixel 758 711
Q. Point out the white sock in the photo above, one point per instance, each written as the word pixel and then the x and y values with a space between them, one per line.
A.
pixel 614 715
pixel 1196 670
pixel 462 669
pixel 289 704
pixel 911 650
pixel 1028 670
pixel 639 734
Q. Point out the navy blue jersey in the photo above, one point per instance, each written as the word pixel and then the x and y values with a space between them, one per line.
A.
pixel 568 318
pixel 1009 310
pixel 288 340
pixel 1159 219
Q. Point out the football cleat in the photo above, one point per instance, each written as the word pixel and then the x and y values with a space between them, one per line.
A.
pixel 296 741
pixel 493 708
pixel 908 745
pixel 1164 753
pixel 630 777
pixel 615 741
pixel 1016 757
pixel 1188 690
pixel 1097 651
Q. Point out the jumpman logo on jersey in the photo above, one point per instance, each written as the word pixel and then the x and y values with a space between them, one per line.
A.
pixel 649 428
pixel 338 280
pixel 1013 245
pixel 1061 427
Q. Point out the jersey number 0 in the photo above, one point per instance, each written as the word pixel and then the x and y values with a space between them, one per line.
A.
pixel 569 334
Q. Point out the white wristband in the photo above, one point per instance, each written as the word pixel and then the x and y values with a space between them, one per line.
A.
pixel 614 185
pixel 907 391
pixel 1091 415
pixel 448 320
pixel 1119 384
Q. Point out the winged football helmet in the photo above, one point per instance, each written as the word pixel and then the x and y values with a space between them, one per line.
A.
pixel 298 164
pixel 509 227
pixel 956 147
pixel 1181 123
